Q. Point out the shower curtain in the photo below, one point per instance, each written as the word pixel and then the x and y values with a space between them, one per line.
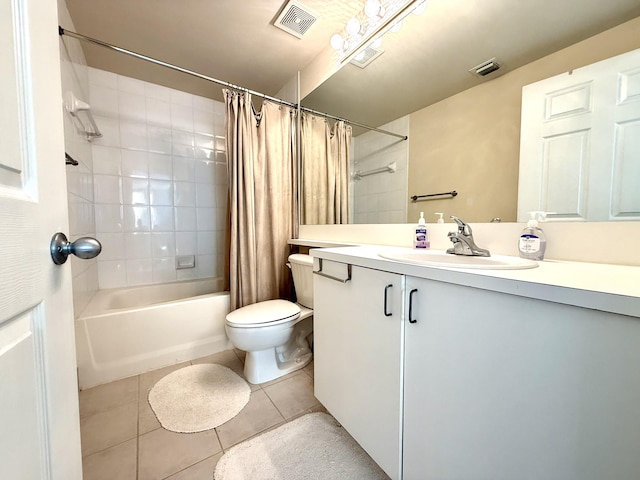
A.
pixel 263 205
pixel 325 170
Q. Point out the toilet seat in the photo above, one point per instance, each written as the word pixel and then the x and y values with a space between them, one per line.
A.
pixel 263 314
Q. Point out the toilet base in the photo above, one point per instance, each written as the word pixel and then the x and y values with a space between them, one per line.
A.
pixel 266 365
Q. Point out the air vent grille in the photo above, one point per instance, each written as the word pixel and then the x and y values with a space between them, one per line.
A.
pixel 366 57
pixel 485 68
pixel 296 19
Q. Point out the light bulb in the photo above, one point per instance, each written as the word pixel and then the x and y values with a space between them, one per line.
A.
pixel 337 42
pixel 354 26
pixel 372 8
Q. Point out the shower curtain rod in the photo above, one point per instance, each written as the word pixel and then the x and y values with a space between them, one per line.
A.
pixel 79 36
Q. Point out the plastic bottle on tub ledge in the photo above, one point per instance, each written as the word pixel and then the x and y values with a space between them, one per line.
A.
pixel 421 238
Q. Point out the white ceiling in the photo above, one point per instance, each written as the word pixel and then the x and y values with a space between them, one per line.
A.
pixel 235 41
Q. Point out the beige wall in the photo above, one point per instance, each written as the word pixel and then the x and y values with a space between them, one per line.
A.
pixel 470 142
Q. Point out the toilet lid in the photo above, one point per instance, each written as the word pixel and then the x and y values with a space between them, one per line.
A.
pixel 262 313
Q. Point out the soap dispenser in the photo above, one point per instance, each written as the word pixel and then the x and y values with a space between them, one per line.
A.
pixel 533 243
pixel 421 238
pixel 440 219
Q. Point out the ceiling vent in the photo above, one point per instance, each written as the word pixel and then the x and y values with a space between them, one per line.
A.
pixel 367 56
pixel 485 68
pixel 296 19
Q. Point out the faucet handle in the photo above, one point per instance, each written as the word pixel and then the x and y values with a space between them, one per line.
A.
pixel 463 227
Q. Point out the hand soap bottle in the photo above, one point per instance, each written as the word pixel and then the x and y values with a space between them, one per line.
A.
pixel 421 238
pixel 440 219
pixel 533 243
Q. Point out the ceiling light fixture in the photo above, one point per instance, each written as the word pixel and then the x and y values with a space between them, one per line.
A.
pixel 376 19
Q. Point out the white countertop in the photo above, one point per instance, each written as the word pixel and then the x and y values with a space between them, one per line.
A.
pixel 610 288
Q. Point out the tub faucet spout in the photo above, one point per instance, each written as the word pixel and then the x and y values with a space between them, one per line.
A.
pixel 463 242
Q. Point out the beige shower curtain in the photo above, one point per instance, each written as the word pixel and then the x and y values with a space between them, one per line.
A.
pixel 325 171
pixel 263 206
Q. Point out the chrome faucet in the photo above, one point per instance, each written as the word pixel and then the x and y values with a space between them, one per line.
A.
pixel 463 243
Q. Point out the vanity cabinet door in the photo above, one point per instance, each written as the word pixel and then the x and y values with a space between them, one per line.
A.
pixel 358 345
pixel 506 387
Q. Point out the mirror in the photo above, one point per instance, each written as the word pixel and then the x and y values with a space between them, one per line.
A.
pixel 463 129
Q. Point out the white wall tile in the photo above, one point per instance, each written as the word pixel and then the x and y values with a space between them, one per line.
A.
pixel 135 191
pixel 131 85
pixel 110 129
pixel 160 192
pixel 205 171
pixel 186 243
pixel 185 219
pixel 181 117
pixel 109 218
pixel 158 92
pixel 158 112
pixel 139 271
pixel 133 135
pixel 183 169
pixel 112 274
pixel 137 219
pixel 137 245
pixel 203 122
pixel 159 139
pixel 207 243
pixel 107 189
pixel 102 78
pixel 162 219
pixel 104 101
pixel 205 195
pixel 164 270
pixel 163 244
pixel 106 160
pixel 112 246
pixel 160 166
pixel 206 219
pixel 132 107
pixel 184 194
pixel 135 163
pixel 182 99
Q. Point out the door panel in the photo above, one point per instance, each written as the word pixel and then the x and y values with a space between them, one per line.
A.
pixel 39 425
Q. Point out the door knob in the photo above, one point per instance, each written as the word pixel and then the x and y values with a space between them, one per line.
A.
pixel 85 247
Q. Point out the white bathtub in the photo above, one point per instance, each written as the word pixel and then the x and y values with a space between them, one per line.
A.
pixel 127 331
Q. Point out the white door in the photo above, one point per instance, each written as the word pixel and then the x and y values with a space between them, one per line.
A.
pixel 39 424
pixel 580 143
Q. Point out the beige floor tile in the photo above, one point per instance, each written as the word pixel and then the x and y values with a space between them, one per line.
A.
pixel 309 369
pixel 281 379
pixel 200 471
pixel 163 453
pixel 293 395
pixel 258 415
pixel 115 463
pixel 147 420
pixel 106 429
pixel 105 397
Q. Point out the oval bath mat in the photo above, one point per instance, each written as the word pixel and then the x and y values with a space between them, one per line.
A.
pixel 312 447
pixel 199 397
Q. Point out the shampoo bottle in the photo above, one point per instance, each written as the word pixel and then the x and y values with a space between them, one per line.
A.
pixel 421 238
pixel 533 243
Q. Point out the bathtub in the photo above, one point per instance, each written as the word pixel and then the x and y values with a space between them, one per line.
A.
pixel 127 331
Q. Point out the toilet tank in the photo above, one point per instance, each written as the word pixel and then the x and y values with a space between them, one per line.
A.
pixel 302 271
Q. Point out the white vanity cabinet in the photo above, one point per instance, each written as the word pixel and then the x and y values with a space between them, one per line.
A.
pixel 358 356
pixel 506 387
pixel 478 376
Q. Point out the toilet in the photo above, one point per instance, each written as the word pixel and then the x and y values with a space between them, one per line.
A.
pixel 275 333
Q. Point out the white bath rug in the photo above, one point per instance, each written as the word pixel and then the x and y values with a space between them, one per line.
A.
pixel 313 446
pixel 198 397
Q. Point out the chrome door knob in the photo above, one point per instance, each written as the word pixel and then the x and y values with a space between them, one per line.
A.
pixel 85 247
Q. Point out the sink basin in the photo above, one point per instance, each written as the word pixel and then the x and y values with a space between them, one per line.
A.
pixel 439 258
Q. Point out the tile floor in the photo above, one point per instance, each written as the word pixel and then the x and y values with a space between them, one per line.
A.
pixel 123 440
